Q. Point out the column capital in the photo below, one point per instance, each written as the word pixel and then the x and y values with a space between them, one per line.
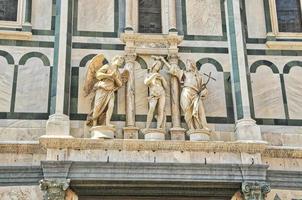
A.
pixel 54 189
pixel 173 58
pixel 130 57
pixel 255 190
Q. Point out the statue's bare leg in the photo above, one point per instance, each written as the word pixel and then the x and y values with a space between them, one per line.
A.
pixel 202 116
pixel 110 110
pixel 161 107
pixel 152 105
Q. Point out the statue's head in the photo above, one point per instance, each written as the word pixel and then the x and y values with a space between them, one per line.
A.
pixel 191 65
pixel 156 66
pixel 118 60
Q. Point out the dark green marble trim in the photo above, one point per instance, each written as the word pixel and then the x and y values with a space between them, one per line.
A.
pixel 186 49
pixel 234 57
pixel 39 55
pixel 278 122
pixel 284 96
pixel 267 63
pixel 26 43
pixel 181 64
pixel 56 58
pixel 9 58
pixel 267 13
pixel 25 116
pixel 53 16
pixel 142 62
pixel 77 45
pixel 229 98
pixel 67 84
pixel 28 10
pixel 43 32
pixel 27 16
pixel 204 37
pixel 76 32
pixel 74 90
pixel 274 52
pixel 290 65
pixel 49 89
pixel 14 88
pixel 212 61
pixel 87 58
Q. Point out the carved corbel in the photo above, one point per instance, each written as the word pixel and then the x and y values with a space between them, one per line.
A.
pixel 255 190
pixel 54 189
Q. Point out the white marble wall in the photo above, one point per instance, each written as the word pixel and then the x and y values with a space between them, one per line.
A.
pixel 96 15
pixel 21 192
pixel 41 14
pixel 6 83
pixel 204 17
pixel 32 87
pixel 255 20
pixel 267 94
pixel 215 104
pixel 141 90
pixel 293 87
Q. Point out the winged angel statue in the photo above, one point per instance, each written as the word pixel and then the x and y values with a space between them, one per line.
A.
pixel 102 80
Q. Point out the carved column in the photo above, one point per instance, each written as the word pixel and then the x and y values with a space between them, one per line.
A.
pixel 54 189
pixel 58 124
pixel 246 128
pixel 172 15
pixel 129 20
pixel 177 133
pixel 255 190
pixel 130 131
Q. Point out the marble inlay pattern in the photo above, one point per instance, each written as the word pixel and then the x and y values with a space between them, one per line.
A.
pixel 6 83
pixel 99 14
pixel 204 17
pixel 267 94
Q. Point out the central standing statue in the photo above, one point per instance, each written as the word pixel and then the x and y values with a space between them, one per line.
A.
pixel 157 98
pixel 193 92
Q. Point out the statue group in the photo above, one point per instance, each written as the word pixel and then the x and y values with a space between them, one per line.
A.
pixel 102 80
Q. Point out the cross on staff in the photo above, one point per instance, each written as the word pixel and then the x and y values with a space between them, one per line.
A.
pixel 209 77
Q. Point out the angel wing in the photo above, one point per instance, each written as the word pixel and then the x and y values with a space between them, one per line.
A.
pixel 95 64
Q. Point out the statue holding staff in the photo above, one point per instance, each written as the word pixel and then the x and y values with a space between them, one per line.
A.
pixel 194 91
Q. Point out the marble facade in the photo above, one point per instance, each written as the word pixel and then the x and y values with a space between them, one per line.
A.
pixel 41 94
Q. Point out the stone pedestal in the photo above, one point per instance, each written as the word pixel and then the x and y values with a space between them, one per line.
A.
pixel 130 132
pixel 247 130
pixel 154 134
pixel 102 132
pixel 199 135
pixel 177 133
pixel 58 125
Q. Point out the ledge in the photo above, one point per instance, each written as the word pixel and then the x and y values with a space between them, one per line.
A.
pixel 142 145
pixel 283 152
pixel 284 45
pixel 24 147
pixel 15 35
pixel 151 43
pixel 39 147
